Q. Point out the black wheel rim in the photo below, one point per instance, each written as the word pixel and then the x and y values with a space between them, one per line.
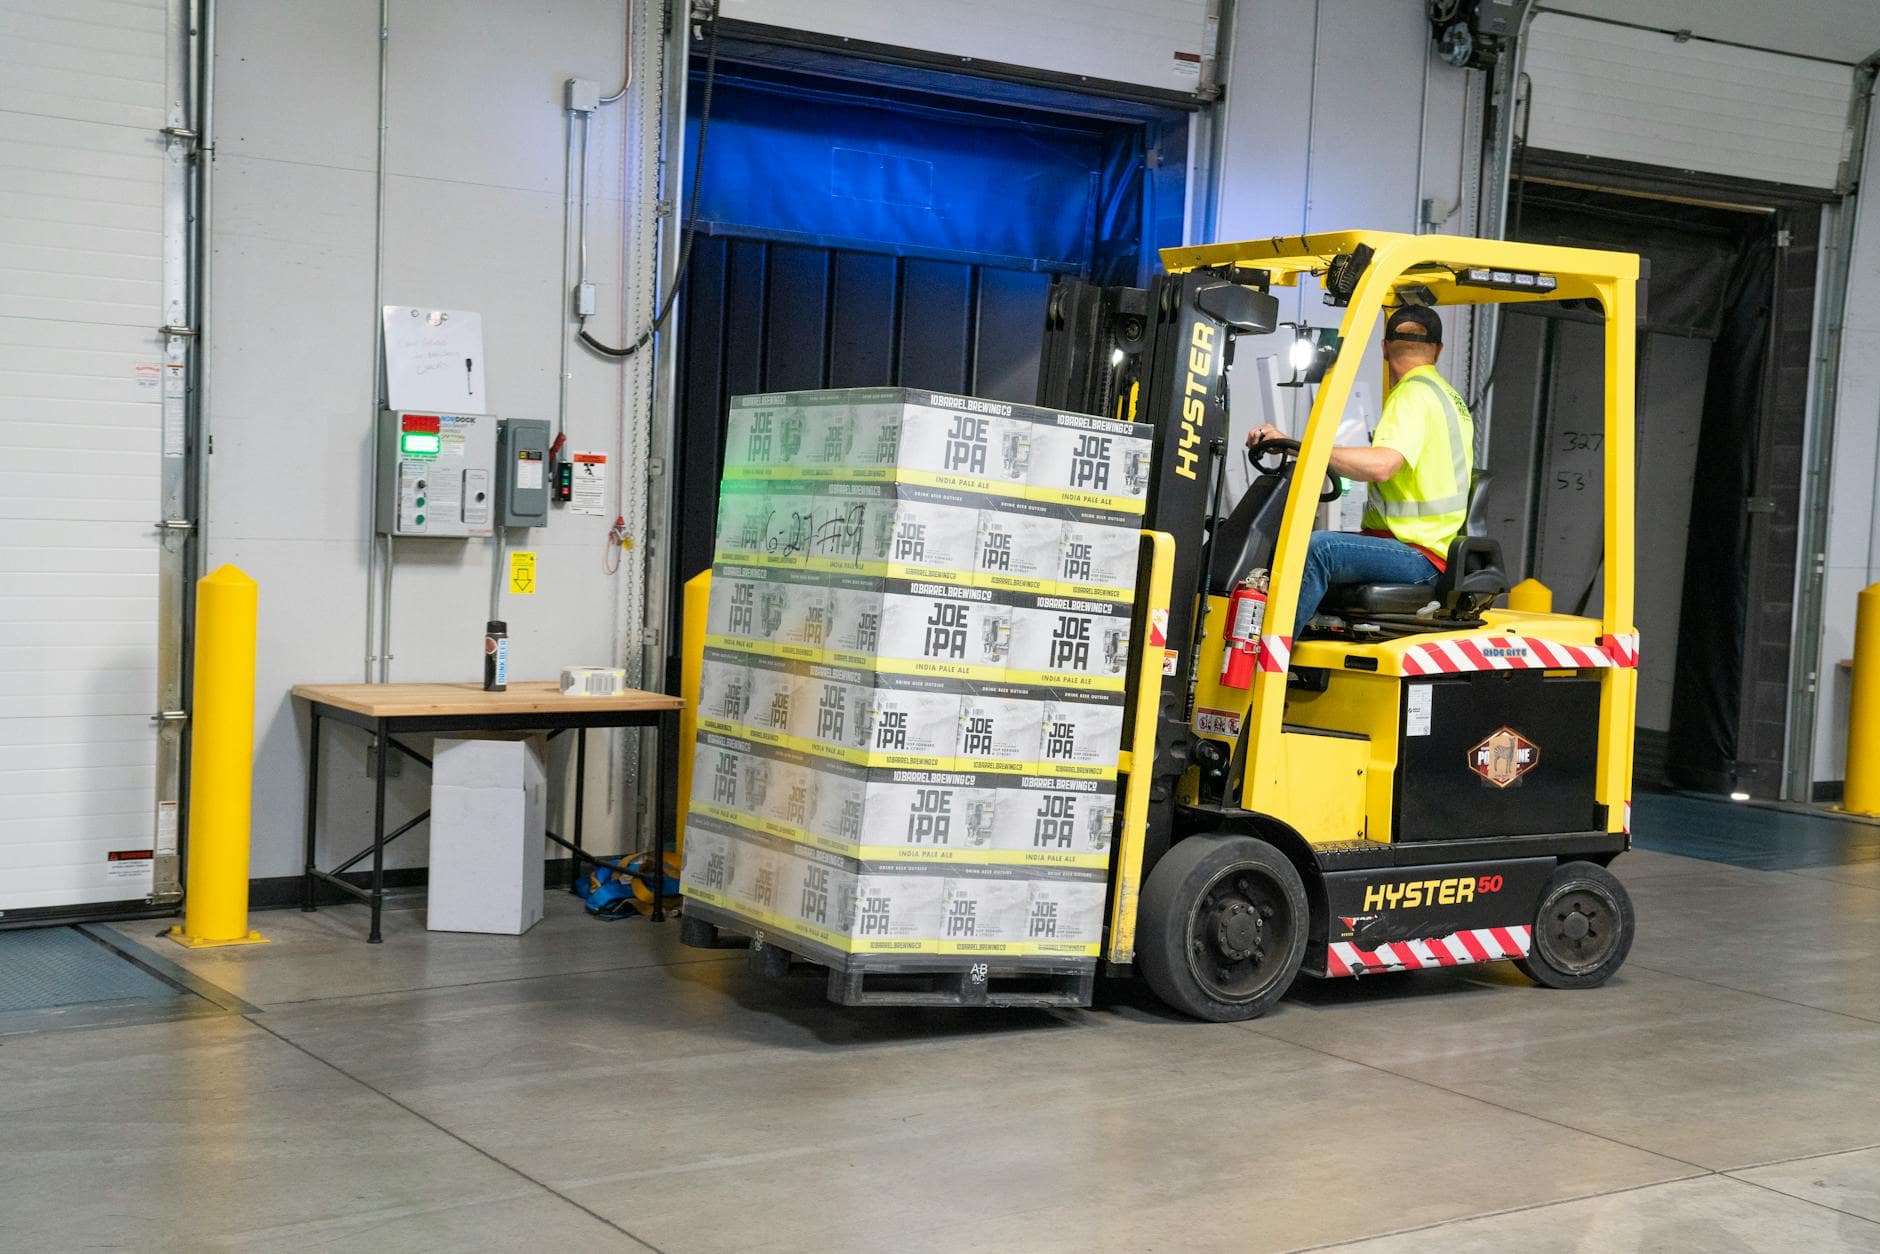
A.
pixel 1578 928
pixel 1239 933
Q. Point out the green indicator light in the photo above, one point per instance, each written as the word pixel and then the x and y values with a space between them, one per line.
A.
pixel 420 444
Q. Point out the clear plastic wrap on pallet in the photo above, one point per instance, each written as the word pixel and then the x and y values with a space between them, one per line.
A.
pixel 837 908
pixel 911 702
pixel 941 440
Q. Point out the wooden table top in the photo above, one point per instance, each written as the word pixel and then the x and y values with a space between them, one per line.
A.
pixel 542 696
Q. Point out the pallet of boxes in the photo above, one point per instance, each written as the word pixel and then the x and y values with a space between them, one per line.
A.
pixel 911 700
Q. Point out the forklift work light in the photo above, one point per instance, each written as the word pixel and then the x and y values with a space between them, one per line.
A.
pixel 1304 349
pixel 1313 351
pixel 1506 280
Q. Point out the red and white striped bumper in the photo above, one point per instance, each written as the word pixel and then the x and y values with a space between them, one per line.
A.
pixel 1459 949
pixel 1514 653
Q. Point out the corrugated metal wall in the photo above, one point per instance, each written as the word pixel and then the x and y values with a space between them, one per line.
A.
pixel 1151 43
pixel 83 97
pixel 1612 91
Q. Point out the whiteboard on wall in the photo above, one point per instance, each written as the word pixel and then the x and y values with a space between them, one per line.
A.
pixel 1145 43
pixel 434 359
pixel 1602 90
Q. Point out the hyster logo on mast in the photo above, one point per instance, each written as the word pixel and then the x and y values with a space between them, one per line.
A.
pixel 1194 393
pixel 1504 757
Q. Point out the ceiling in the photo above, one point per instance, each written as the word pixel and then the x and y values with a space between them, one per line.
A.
pixel 1847 31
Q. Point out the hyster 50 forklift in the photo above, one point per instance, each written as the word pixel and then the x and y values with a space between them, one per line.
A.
pixel 1421 779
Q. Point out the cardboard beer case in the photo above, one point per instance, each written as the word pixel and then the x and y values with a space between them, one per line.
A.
pixel 844 907
pixel 1069 642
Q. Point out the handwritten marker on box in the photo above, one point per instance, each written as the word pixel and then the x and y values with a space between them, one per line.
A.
pixel 469 378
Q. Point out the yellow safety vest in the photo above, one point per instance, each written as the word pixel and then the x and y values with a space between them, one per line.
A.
pixel 1426 503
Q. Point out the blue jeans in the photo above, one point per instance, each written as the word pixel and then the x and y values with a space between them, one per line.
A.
pixel 1344 557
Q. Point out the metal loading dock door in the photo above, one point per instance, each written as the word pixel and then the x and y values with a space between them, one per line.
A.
pixel 897 237
pixel 92 447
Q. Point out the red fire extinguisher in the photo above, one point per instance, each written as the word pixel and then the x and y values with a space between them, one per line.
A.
pixel 1246 613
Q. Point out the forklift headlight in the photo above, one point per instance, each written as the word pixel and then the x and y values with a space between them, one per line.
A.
pixel 1304 349
pixel 1313 351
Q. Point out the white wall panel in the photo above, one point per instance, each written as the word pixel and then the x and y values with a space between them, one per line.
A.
pixel 473 220
pixel 1125 41
pixel 82 96
pixel 1834 30
pixel 1612 91
pixel 92 60
pixel 1319 139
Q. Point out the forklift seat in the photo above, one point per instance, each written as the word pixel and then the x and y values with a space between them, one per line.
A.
pixel 1469 585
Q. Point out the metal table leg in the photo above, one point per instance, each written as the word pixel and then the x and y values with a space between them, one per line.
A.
pixel 307 881
pixel 666 806
pixel 380 739
pixel 580 796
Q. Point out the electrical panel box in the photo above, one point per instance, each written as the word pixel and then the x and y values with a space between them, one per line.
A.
pixel 522 472
pixel 437 474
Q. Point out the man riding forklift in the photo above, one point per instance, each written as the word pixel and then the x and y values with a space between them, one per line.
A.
pixel 1417 466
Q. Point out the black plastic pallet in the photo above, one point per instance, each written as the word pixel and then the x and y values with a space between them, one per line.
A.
pixel 886 981
pixel 980 984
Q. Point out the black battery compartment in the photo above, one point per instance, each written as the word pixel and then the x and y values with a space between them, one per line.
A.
pixel 1440 795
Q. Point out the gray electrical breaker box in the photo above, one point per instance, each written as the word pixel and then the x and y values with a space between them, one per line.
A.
pixel 437 474
pixel 522 472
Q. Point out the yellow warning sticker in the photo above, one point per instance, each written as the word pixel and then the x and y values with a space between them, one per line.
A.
pixel 522 572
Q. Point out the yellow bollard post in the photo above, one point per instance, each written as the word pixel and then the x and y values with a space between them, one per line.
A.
pixel 221 764
pixel 1531 596
pixel 698 595
pixel 1862 795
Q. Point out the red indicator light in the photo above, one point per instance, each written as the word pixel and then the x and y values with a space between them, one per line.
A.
pixel 421 422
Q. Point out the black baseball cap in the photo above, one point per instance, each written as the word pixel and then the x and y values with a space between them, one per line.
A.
pixel 1421 316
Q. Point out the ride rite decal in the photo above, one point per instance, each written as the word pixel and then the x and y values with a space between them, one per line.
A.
pixel 1194 397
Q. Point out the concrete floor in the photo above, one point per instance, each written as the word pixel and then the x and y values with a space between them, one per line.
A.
pixel 597 1087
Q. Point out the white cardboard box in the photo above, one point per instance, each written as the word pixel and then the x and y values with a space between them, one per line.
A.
pixel 489 805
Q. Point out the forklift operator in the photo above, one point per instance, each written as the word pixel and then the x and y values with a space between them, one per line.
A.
pixel 1417 466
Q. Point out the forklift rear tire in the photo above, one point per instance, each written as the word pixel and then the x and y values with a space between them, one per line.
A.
pixel 1582 930
pixel 1222 927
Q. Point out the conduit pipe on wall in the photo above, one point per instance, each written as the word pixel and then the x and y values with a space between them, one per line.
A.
pixel 1492 220
pixel 205 187
pixel 378 620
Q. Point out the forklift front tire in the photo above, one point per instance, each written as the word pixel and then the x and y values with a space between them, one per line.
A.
pixel 1582 930
pixel 1222 927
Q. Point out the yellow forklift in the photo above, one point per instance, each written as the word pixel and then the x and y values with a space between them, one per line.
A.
pixel 1421 779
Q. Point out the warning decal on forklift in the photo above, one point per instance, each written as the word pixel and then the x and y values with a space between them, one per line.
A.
pixel 1216 722
pixel 1416 710
pixel 1504 757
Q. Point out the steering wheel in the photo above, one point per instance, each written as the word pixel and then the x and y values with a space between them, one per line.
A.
pixel 1287 452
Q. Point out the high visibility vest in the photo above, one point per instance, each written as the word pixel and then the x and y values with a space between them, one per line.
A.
pixel 1426 503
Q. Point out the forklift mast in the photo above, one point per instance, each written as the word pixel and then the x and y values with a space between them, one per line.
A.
pixel 1160 356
